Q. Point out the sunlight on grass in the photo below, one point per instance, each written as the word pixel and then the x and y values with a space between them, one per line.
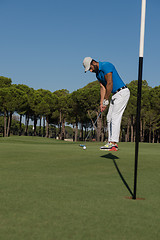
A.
pixel 55 190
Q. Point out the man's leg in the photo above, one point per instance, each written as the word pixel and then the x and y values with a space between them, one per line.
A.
pixel 109 121
pixel 114 117
pixel 120 103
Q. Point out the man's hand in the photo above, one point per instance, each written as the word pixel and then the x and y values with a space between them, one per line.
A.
pixel 105 92
pixel 104 105
pixel 105 102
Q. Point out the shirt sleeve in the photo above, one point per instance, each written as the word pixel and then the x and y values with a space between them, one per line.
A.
pixel 107 68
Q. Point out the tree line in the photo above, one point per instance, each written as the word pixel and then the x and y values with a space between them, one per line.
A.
pixel 79 109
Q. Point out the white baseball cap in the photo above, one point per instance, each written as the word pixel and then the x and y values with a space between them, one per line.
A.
pixel 86 63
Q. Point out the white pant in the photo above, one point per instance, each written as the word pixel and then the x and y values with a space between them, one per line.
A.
pixel 116 108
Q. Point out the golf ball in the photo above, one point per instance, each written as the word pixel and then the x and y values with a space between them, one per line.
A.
pixel 84 147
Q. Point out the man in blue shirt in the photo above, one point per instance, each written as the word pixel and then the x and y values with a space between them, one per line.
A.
pixel 110 82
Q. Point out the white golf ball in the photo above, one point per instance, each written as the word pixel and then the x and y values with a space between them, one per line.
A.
pixel 84 147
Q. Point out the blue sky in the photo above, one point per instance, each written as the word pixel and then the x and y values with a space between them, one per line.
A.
pixel 43 42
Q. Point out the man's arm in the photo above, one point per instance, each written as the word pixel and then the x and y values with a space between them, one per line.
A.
pixel 109 86
pixel 105 92
pixel 102 92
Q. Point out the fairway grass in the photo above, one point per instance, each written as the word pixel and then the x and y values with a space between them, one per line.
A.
pixel 55 190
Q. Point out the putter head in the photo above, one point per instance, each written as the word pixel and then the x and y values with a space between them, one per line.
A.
pixel 81 145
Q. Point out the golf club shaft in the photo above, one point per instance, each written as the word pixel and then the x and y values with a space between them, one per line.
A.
pixel 93 126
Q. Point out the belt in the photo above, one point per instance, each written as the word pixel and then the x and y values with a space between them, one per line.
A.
pixel 119 89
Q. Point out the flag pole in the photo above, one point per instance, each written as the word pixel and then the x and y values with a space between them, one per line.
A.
pixel 141 49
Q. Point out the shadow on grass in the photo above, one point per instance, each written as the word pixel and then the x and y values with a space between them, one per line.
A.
pixel 113 158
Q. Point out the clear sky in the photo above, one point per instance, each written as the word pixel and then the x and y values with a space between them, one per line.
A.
pixel 43 42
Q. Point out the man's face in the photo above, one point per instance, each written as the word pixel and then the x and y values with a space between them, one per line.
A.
pixel 93 68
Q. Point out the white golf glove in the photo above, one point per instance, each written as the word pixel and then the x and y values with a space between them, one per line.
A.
pixel 105 102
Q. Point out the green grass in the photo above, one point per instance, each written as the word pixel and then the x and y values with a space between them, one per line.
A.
pixel 54 190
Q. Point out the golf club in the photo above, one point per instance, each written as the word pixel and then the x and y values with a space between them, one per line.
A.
pixel 92 126
pixel 82 145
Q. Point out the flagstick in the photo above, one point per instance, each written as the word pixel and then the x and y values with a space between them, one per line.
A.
pixel 143 10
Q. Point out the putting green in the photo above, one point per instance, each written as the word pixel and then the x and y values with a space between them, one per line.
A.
pixel 55 190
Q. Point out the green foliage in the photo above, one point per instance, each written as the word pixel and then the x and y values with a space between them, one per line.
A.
pixel 77 107
pixel 12 99
pixel 61 107
pixel 5 82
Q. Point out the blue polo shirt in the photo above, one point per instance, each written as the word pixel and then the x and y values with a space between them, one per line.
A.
pixel 106 67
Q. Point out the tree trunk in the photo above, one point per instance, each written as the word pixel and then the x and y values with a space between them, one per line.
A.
pixel 44 130
pixel 85 132
pixel 11 113
pixel 26 123
pixel 20 125
pixel 103 129
pixel 99 127
pixel 63 129
pixel 126 137
pixel 9 123
pixel 81 133
pixel 153 137
pixel 120 135
pixel 47 127
pixel 60 124
pixel 5 123
pixel 76 132
pixel 150 133
pixel 144 124
pixel 158 136
pixel 73 133
pixel 40 126
pixel 55 133
pixel 132 129
pixel 128 127
pixel 35 125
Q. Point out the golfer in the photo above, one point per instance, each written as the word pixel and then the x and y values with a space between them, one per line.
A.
pixel 110 82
